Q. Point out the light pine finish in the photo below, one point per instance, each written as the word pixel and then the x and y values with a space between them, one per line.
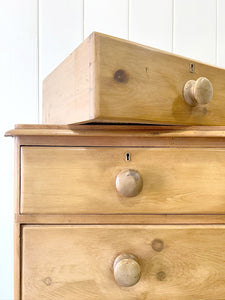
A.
pixel 126 219
pixel 120 82
pixel 83 180
pixel 17 227
pixel 177 262
pixel 40 249
pixel 125 141
pixel 71 78
pixel 123 131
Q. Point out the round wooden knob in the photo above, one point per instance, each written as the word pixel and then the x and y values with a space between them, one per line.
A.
pixel 198 92
pixel 127 270
pixel 129 183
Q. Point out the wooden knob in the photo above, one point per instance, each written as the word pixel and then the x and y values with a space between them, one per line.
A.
pixel 198 92
pixel 127 270
pixel 129 183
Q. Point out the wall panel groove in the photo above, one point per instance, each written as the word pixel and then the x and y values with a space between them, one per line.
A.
pixel 195 29
pixel 221 33
pixel 151 23
pixel 106 16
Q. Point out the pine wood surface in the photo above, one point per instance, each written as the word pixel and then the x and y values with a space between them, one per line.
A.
pixel 116 130
pixel 180 139
pixel 79 67
pixel 126 219
pixel 76 262
pixel 82 180
pixel 17 226
pixel 116 80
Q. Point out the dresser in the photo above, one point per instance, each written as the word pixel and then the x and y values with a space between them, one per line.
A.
pixel 115 212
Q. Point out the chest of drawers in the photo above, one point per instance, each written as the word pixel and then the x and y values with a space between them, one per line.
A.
pixel 119 212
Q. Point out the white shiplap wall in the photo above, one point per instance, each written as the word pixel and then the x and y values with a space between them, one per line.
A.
pixel 195 29
pixel 151 23
pixel 106 16
pixel 36 35
pixel 220 46
pixel 19 104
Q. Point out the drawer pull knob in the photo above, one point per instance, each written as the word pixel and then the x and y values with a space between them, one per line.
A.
pixel 129 183
pixel 127 270
pixel 198 92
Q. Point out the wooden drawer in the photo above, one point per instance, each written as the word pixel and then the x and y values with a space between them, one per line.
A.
pixel 112 80
pixel 56 180
pixel 76 262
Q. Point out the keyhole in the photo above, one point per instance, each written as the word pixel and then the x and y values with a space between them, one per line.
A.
pixel 127 156
pixel 192 68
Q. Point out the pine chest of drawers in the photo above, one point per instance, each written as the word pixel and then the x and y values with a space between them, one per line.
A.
pixel 119 212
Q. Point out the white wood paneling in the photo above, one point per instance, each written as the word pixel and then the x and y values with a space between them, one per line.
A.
pixel 106 16
pixel 18 62
pixel 195 29
pixel 221 33
pixel 61 31
pixel 150 23
pixel 19 104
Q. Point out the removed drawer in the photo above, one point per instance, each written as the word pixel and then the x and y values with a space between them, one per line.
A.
pixel 57 180
pixel 113 80
pixel 123 262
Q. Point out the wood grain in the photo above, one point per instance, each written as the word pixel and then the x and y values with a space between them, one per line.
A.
pixel 117 219
pixel 175 139
pixel 64 262
pixel 116 130
pixel 120 135
pixel 148 88
pixel 71 180
pixel 17 232
pixel 66 87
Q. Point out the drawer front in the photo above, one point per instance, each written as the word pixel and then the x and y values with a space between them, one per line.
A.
pixel 78 262
pixel 97 180
pixel 142 84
